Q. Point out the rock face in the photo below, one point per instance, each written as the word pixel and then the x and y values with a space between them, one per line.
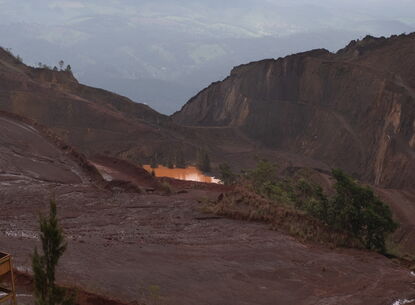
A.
pixel 354 109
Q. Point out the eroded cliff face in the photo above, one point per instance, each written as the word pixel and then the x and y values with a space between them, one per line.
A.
pixel 354 109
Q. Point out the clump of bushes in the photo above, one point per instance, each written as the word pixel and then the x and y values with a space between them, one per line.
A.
pixel 226 175
pixel 356 209
pixel 352 208
pixel 244 204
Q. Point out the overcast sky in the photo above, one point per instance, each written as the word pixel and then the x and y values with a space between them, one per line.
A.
pixel 164 51
pixel 258 16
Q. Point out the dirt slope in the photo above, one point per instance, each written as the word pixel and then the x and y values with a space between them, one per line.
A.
pixel 94 121
pixel 29 153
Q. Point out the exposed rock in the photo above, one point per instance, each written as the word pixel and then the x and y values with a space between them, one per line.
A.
pixel 354 109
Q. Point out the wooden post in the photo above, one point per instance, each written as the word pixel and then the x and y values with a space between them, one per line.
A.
pixel 6 267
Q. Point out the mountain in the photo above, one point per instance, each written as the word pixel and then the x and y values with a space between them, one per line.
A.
pixel 95 121
pixel 354 109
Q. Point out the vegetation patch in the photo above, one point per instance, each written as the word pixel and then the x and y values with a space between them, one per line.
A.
pixel 351 216
pixel 244 204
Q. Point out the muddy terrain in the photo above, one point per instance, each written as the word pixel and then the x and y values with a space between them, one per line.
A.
pixel 164 249
pixel 121 245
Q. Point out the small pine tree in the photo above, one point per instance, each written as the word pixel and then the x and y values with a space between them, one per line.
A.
pixel 44 265
pixel 68 68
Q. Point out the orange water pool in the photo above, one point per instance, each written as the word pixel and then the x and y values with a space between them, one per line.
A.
pixel 190 173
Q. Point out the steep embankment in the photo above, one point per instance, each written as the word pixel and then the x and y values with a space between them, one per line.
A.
pixel 354 109
pixel 31 154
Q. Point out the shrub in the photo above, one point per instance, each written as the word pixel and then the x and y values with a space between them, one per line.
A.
pixel 226 174
pixel 356 209
pixel 353 209
pixel 263 177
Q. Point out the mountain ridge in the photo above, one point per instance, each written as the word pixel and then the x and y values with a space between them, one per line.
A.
pixel 297 103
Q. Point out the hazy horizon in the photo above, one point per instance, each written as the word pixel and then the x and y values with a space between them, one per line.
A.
pixel 162 52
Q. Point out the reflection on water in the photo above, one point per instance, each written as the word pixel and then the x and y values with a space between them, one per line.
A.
pixel 190 173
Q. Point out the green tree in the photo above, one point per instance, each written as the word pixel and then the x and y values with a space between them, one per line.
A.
pixel 357 210
pixel 226 174
pixel 263 177
pixel 44 264
pixel 68 68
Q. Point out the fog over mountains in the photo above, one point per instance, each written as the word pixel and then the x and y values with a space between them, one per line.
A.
pixel 162 52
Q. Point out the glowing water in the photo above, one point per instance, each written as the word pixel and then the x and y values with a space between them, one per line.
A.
pixel 190 173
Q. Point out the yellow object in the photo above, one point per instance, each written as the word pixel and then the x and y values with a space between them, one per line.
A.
pixel 6 269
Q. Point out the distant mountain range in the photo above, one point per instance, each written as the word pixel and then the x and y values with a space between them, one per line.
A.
pixel 163 52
